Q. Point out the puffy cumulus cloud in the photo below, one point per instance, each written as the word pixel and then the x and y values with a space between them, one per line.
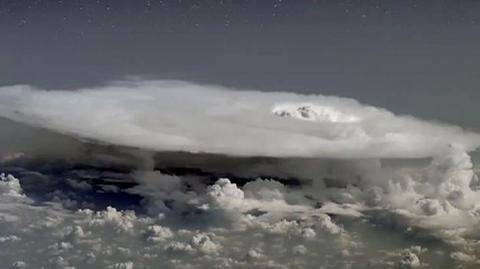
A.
pixel 118 221
pixel 204 244
pixel 158 233
pixel 227 195
pixel 439 197
pixel 10 186
pixel 277 229
pixel 410 257
pixel 181 116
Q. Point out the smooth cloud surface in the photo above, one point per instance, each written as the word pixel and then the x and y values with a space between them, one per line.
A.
pixel 180 116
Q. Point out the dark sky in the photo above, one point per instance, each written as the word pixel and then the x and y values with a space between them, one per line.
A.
pixel 414 57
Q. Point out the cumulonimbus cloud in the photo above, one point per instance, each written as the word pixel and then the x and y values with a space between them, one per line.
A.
pixel 334 147
pixel 181 116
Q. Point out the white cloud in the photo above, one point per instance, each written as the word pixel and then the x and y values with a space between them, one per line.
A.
pixel 9 238
pixel 410 260
pixel 349 206
pixel 10 186
pixel 178 247
pixel 180 116
pixel 157 233
pixel 204 244
pixel 19 265
pixel 119 221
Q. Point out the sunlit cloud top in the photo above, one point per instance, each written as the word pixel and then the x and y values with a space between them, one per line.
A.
pixel 181 116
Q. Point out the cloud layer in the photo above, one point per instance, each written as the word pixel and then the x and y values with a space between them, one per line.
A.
pixel 234 179
pixel 180 116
